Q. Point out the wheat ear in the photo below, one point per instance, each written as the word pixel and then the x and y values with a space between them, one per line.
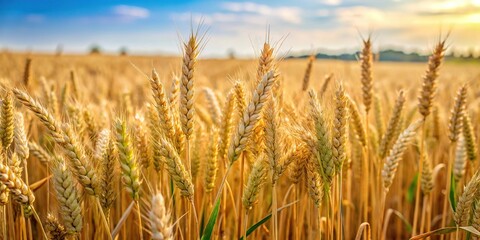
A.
pixel 465 201
pixel 213 106
pixel 128 162
pixel 429 88
pixel 392 126
pixel 20 137
pixel 39 152
pixel 19 190
pixel 256 179
pixel 164 112
pixel 457 112
pixel 159 219
pixel 187 111
pixel 470 139
pixel 426 180
pixel 251 116
pixel 396 153
pixel 339 134
pixel 356 121
pixel 226 123
pixel 211 167
pixel 323 149
pixel 367 79
pixel 308 72
pixel 7 121
pixel 107 155
pixel 176 169
pixel 68 198
pixel 55 230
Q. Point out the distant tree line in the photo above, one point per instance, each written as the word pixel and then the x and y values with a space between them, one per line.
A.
pixel 396 56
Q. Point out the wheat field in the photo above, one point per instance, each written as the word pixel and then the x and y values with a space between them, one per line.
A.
pixel 130 147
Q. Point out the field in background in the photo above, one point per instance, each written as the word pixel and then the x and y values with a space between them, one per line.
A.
pixel 110 86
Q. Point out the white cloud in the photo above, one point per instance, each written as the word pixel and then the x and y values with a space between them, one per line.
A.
pixel 131 12
pixel 331 2
pixel 361 15
pixel 286 14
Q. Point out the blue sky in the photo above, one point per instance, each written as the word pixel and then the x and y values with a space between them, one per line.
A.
pixel 157 26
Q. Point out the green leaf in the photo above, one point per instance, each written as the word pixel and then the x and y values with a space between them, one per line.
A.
pixel 452 192
pixel 412 189
pixel 404 220
pixel 202 222
pixel 265 219
pixel 207 233
pixel 258 224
